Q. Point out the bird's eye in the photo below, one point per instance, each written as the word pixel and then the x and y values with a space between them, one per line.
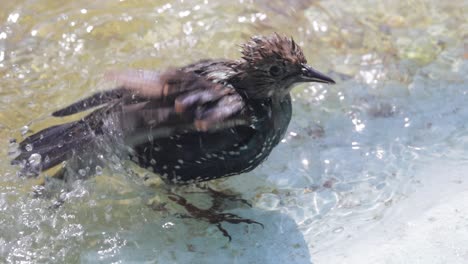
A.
pixel 275 71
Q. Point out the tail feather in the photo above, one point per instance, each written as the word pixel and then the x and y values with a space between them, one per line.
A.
pixel 51 146
pixel 46 136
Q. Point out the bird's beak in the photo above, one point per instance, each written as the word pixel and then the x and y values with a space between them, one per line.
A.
pixel 309 74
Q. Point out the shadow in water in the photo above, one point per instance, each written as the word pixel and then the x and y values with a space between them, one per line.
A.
pixel 192 241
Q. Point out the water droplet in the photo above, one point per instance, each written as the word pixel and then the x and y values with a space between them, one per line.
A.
pixel 35 160
pixel 98 170
pixel 24 130
pixel 13 148
pixel 82 172
pixel 28 147
pixel 115 159
pixel 338 229
pixel 168 225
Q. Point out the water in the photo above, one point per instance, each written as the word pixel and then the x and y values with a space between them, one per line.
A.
pixel 355 153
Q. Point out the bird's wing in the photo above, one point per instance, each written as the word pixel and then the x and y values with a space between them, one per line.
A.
pixel 139 84
pixel 151 83
pixel 159 104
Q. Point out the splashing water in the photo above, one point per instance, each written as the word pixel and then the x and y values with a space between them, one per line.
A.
pixel 353 154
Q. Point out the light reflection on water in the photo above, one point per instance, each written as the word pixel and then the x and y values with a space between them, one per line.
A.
pixel 348 157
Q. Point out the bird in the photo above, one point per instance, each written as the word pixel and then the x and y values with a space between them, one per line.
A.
pixel 210 119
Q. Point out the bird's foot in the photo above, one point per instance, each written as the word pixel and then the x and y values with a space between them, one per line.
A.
pixel 210 215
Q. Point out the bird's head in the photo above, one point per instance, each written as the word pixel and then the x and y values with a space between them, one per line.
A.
pixel 270 66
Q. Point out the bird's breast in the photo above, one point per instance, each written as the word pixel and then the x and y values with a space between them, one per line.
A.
pixel 201 156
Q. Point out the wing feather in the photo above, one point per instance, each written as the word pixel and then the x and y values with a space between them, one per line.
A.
pixel 155 104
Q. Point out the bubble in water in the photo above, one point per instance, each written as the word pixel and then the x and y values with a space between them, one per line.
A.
pixel 28 147
pixel 35 159
pixel 153 161
pixel 98 170
pixel 82 172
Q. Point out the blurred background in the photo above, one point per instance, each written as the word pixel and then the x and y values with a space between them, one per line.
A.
pixel 372 170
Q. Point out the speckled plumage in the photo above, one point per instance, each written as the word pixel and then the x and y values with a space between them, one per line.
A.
pixel 207 120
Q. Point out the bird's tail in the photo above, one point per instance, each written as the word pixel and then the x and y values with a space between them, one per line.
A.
pixel 53 145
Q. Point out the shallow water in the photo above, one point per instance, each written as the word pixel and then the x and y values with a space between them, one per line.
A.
pixel 348 160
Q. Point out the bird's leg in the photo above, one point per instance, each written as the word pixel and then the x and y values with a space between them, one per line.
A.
pixel 219 197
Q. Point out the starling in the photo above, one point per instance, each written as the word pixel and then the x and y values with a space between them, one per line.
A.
pixel 210 119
